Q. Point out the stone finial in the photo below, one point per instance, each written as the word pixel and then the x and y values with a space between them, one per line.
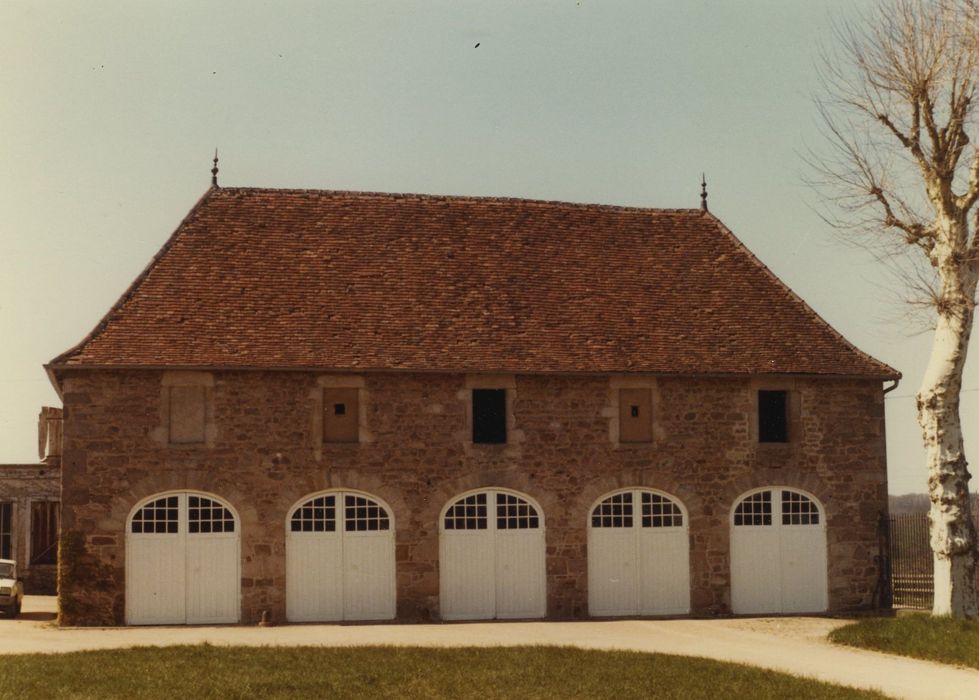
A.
pixel 703 192
pixel 214 170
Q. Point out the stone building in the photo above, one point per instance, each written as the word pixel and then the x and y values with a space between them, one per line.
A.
pixel 30 507
pixel 350 406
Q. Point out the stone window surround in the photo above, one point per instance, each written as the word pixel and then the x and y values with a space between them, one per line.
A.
pixel 491 381
pixel 186 378
pixel 793 408
pixel 339 381
pixel 616 382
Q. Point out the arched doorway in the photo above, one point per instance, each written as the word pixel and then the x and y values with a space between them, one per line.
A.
pixel 183 560
pixel 491 557
pixel 340 558
pixel 778 552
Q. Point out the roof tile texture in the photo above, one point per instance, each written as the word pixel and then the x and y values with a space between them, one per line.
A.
pixel 343 280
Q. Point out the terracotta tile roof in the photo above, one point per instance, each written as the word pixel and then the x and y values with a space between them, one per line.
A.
pixel 258 278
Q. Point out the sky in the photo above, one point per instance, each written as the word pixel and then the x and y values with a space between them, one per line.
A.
pixel 111 112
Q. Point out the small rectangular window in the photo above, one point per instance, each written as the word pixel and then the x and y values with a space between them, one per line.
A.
pixel 489 416
pixel 44 532
pixel 773 420
pixel 342 415
pixel 5 519
pixel 186 414
pixel 635 415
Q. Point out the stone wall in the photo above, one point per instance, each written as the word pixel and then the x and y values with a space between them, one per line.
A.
pixel 20 485
pixel 264 453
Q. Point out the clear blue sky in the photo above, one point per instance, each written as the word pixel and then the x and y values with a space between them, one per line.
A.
pixel 111 112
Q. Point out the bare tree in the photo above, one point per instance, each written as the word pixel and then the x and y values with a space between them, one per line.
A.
pixel 899 111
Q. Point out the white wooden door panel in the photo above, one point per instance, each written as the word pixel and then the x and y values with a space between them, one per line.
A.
pixel 755 565
pixel 520 584
pixel 803 555
pixel 613 574
pixel 314 577
pixel 664 569
pixel 155 580
pixel 212 579
pixel 369 581
pixel 467 585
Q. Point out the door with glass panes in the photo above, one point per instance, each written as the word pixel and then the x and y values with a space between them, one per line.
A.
pixel 183 561
pixel 638 555
pixel 491 557
pixel 340 559
pixel 778 553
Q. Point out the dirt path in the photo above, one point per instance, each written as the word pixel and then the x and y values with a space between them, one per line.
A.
pixel 793 645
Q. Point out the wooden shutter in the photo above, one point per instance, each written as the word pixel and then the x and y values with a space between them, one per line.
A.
pixel 635 415
pixel 341 415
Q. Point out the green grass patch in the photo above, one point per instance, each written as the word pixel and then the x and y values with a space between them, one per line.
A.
pixel 919 635
pixel 392 672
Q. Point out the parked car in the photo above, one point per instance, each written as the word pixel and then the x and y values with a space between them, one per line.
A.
pixel 11 588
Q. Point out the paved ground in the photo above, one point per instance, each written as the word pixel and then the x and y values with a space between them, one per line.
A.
pixel 794 645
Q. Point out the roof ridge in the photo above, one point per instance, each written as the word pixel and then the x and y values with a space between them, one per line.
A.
pixel 365 194
pixel 788 291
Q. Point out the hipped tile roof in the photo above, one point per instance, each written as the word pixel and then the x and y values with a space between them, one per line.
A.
pixel 259 278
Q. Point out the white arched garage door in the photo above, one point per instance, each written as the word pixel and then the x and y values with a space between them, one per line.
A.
pixel 491 557
pixel 778 553
pixel 182 561
pixel 340 559
pixel 638 555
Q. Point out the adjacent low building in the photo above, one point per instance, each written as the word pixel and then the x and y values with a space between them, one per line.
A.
pixel 356 406
pixel 30 504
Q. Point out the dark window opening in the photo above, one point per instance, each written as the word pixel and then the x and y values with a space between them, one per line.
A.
pixel 339 409
pixel 635 411
pixel 5 518
pixel 489 416
pixel 44 532
pixel 773 423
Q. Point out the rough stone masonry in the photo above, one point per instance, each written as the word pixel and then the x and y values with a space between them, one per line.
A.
pixel 264 453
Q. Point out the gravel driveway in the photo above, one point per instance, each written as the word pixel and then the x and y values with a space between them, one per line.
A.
pixel 795 645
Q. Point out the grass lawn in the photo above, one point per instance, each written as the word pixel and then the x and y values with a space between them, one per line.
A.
pixel 391 672
pixel 920 635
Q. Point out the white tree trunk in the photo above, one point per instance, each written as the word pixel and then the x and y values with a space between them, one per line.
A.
pixel 953 534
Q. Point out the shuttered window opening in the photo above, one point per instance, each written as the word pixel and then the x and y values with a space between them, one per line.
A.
pixel 778 553
pixel 340 559
pixel 491 557
pixel 638 562
pixel 183 561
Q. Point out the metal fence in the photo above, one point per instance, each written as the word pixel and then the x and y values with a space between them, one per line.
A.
pixel 908 566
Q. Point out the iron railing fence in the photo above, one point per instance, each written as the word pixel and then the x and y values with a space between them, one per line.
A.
pixel 911 567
